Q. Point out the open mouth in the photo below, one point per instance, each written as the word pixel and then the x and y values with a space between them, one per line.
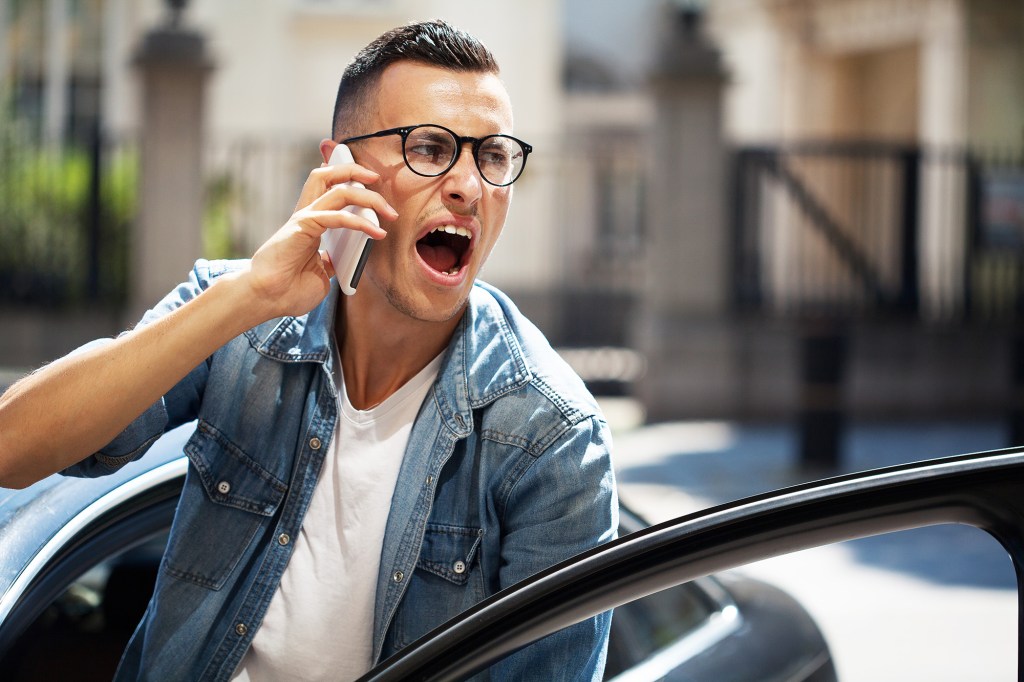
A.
pixel 445 248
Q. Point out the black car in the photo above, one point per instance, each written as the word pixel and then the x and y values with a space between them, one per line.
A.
pixel 79 557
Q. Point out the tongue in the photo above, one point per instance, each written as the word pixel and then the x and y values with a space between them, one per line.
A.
pixel 441 258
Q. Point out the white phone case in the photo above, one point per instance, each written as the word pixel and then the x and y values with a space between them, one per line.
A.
pixel 348 248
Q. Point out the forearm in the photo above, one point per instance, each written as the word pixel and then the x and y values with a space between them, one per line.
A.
pixel 73 407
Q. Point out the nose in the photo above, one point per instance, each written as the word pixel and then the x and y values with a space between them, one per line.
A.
pixel 463 185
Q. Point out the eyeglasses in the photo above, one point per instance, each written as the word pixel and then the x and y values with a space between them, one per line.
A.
pixel 431 150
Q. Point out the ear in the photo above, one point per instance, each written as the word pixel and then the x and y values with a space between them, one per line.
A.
pixel 326 148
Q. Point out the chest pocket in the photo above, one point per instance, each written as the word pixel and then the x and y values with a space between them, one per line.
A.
pixel 446 582
pixel 227 498
pixel 448 551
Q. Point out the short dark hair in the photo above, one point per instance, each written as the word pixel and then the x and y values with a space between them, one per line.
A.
pixel 435 43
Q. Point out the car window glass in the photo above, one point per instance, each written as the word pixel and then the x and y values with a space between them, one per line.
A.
pixel 91 621
pixel 645 626
pixel 938 602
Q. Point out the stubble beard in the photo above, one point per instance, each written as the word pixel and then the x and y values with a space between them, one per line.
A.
pixel 405 307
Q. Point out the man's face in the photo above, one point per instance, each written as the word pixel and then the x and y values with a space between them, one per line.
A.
pixel 420 273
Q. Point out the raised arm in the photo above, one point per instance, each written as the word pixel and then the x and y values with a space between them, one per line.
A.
pixel 71 408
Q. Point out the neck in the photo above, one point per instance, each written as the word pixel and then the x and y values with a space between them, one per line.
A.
pixel 381 348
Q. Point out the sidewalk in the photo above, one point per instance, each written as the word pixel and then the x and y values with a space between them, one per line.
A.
pixel 929 604
pixel 722 461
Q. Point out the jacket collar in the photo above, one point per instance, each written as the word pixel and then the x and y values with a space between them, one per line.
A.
pixel 308 338
pixel 484 359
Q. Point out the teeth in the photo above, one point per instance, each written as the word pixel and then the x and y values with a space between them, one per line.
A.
pixel 454 270
pixel 451 229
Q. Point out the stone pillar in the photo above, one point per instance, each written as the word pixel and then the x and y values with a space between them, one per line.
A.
pixel 174 67
pixel 58 75
pixel 681 325
pixel 943 126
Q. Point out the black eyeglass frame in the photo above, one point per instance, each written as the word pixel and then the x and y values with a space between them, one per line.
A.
pixel 460 141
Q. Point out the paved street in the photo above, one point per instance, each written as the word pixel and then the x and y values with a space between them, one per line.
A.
pixel 930 604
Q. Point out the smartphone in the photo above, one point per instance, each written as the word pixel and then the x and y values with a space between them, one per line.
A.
pixel 349 249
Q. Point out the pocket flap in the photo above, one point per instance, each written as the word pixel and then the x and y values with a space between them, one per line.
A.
pixel 448 551
pixel 229 476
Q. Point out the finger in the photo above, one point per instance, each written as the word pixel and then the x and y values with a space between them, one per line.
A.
pixel 320 180
pixel 338 175
pixel 333 220
pixel 340 196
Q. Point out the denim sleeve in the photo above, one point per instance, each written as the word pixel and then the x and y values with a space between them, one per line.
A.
pixel 176 407
pixel 565 504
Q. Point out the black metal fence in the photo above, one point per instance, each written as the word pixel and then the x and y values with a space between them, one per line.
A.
pixel 994 279
pixel 65 220
pixel 834 234
pixel 68 215
pixel 847 230
pixel 868 229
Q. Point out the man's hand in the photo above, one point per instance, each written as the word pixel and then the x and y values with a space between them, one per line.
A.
pixel 289 274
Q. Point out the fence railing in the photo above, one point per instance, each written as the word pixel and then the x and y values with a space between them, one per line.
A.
pixel 994 278
pixel 66 217
pixel 865 229
pixel 251 189
pixel 840 229
pixel 65 221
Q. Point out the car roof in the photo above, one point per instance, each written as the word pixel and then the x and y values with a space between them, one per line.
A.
pixel 34 517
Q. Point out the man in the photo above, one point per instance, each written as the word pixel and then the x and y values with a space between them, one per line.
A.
pixel 364 467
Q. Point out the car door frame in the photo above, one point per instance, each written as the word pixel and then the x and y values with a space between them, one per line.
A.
pixel 984 490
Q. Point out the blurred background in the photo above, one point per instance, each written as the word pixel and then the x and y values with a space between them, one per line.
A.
pixel 784 237
pixel 756 207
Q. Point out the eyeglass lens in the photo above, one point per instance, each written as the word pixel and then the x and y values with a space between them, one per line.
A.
pixel 430 150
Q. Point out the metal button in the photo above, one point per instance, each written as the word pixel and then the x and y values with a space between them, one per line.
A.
pixel 283 539
pixel 223 487
pixel 241 629
pixel 459 567
pixel 398 576
pixel 458 418
pixel 430 479
pixel 315 443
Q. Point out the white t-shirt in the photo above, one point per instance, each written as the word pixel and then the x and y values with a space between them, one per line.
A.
pixel 319 625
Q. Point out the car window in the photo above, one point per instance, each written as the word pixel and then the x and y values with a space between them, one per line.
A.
pixel 938 602
pixel 646 626
pixel 90 621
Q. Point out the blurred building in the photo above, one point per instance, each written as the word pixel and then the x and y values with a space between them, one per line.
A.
pixel 874 196
pixel 828 80
pixel 712 182
pixel 940 77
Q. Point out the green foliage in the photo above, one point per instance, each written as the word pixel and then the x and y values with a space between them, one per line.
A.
pixel 219 240
pixel 44 240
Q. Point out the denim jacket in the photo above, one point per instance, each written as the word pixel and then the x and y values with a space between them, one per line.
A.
pixel 507 471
